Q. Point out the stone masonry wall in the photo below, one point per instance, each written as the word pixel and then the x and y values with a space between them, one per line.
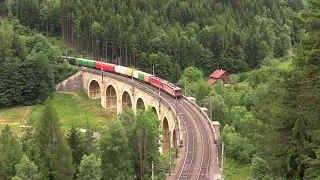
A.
pixel 71 84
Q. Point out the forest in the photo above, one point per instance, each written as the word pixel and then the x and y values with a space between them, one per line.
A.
pixel 170 35
pixel 269 116
pixel 125 150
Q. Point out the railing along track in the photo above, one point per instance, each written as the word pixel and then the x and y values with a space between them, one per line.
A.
pixel 188 112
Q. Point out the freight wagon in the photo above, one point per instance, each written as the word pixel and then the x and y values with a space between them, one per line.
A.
pixel 155 81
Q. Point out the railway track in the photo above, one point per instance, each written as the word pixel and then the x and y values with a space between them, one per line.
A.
pixel 199 149
pixel 197 161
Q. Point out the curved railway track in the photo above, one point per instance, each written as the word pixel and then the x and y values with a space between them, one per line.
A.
pixel 199 149
pixel 195 127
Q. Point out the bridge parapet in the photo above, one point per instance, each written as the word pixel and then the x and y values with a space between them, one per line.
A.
pixel 133 92
pixel 215 125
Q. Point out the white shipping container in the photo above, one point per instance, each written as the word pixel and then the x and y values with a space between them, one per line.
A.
pixel 120 69
pixel 135 73
pixel 117 69
pixel 123 70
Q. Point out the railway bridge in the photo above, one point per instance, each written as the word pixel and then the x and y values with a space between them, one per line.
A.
pixel 183 123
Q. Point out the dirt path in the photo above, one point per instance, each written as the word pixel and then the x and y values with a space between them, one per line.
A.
pixel 24 117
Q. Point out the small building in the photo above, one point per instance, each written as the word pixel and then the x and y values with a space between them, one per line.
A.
pixel 219 75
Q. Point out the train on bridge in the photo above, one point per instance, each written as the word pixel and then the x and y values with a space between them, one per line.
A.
pixel 155 81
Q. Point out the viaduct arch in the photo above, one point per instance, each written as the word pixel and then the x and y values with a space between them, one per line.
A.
pixel 116 93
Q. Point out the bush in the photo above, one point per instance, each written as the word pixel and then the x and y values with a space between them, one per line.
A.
pixel 259 169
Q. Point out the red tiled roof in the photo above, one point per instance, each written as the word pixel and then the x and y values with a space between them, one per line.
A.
pixel 212 80
pixel 217 74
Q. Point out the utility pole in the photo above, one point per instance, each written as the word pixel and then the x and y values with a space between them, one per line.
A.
pixel 152 168
pixel 222 158
pixel 169 153
pixel 185 86
pixel 210 111
pixel 101 69
pixel 153 70
pixel 177 127
pixel 132 85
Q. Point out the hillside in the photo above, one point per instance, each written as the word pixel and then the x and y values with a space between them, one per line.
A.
pixel 72 108
pixel 171 34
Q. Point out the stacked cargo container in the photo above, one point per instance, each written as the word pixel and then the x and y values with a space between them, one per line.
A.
pixel 105 66
pixel 130 72
pixel 86 62
pixel 142 76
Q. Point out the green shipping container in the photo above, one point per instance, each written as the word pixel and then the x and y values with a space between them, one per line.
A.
pixel 84 62
pixel 140 76
pixel 80 62
pixel 91 63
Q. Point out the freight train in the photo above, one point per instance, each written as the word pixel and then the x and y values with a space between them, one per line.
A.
pixel 155 81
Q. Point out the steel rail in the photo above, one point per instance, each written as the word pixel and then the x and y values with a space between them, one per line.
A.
pixel 204 135
pixel 168 102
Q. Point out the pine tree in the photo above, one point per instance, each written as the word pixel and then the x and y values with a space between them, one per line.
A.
pixel 89 141
pixel 76 142
pixel 301 116
pixel 54 148
pixel 11 153
pixel 26 169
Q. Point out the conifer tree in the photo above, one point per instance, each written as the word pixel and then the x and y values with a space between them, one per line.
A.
pixel 76 142
pixel 90 168
pixel 10 153
pixel 54 148
pixel 26 169
pixel 302 112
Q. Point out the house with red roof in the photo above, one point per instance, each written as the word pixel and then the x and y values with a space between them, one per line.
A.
pixel 218 75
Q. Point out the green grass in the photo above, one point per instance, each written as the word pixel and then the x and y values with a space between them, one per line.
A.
pixel 78 109
pixel 14 116
pixel 285 65
pixel 72 108
pixel 235 171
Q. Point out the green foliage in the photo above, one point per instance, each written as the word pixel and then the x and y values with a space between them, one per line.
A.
pixel 29 66
pixel 54 148
pixel 235 36
pixel 243 121
pixel 145 142
pixel 191 74
pixel 116 162
pixel 237 147
pixel 126 117
pixel 26 169
pixel 41 85
pixel 196 87
pixel 300 115
pixel 90 168
pixel 6 38
pixel 235 171
pixel 162 65
pixel 11 153
pixel 259 169
pixel 76 142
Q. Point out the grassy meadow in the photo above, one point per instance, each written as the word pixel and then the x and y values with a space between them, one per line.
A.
pixel 72 108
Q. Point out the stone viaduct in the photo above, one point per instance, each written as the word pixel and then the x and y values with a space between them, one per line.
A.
pixel 116 91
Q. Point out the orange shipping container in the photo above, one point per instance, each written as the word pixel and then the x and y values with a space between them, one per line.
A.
pixel 147 77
